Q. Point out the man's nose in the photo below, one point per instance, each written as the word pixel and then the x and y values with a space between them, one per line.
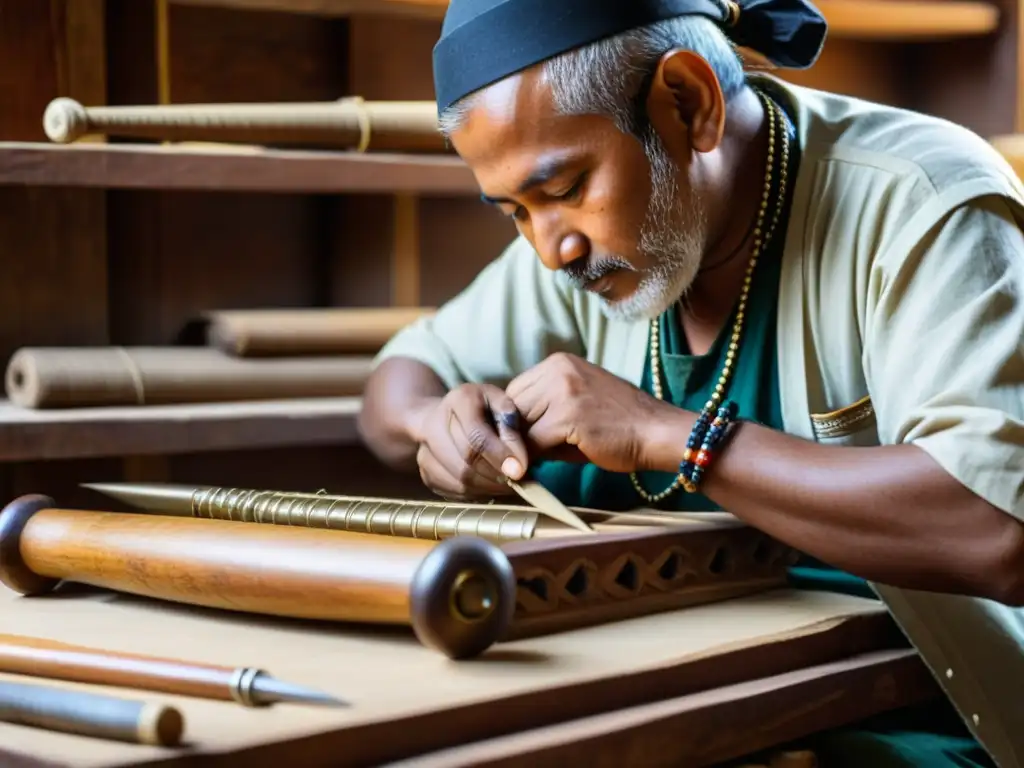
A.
pixel 557 252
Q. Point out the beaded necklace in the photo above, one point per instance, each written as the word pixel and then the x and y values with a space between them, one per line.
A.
pixel 761 239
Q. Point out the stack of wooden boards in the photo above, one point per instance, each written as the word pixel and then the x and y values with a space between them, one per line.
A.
pixel 250 355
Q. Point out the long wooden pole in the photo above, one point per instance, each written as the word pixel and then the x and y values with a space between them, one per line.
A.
pixel 458 596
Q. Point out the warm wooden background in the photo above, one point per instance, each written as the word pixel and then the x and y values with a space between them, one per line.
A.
pixel 128 243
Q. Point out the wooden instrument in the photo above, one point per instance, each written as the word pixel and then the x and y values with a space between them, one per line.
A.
pixel 349 123
pixel 281 332
pixel 247 686
pixel 90 714
pixel 459 596
pixel 69 377
pixel 434 520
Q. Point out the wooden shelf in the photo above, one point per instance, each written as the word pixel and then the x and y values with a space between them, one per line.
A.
pixel 908 20
pixel 856 19
pixel 31 435
pixel 420 9
pixel 215 167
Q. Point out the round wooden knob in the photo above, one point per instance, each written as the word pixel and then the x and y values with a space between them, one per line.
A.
pixel 65 120
pixel 462 597
pixel 13 572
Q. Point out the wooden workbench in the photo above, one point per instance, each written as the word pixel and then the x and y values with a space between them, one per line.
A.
pixel 690 687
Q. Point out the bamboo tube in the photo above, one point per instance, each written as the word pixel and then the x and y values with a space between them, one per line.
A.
pixel 90 714
pixel 458 596
pixel 349 123
pixel 247 686
pixel 279 332
pixel 68 377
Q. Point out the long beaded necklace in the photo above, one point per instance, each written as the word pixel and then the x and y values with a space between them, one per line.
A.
pixel 761 238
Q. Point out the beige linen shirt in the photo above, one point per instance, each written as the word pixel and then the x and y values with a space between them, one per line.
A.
pixel 901 320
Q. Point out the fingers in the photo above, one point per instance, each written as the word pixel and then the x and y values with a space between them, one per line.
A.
pixel 477 432
pixel 506 417
pixel 473 443
pixel 463 458
pixel 519 389
pixel 437 477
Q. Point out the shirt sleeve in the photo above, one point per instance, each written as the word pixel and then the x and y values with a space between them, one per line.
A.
pixel 944 348
pixel 513 315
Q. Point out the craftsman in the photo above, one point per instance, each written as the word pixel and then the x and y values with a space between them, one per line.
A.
pixel 733 293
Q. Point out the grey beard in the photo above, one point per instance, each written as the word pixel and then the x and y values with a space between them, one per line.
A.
pixel 672 240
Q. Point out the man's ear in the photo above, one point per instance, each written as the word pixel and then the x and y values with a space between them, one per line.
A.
pixel 685 104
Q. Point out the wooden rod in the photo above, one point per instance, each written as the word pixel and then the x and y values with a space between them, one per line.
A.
pixel 90 714
pixel 246 686
pixel 458 596
pixel 349 123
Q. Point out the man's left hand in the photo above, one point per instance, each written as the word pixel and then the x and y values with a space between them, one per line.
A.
pixel 567 402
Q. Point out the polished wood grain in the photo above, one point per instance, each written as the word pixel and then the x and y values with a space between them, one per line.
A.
pixel 40 657
pixel 457 596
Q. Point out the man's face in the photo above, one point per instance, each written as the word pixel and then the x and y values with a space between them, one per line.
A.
pixel 619 218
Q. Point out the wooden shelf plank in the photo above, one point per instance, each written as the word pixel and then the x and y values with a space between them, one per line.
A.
pixel 860 19
pixel 219 168
pixel 31 435
pixel 421 9
pixel 908 20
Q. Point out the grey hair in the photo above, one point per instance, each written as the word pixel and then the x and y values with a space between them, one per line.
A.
pixel 610 77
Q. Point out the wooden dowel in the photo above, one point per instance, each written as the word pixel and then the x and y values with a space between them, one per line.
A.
pixel 247 686
pixel 90 714
pixel 350 123
pixel 458 596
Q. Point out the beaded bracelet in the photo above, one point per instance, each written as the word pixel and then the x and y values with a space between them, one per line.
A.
pixel 706 436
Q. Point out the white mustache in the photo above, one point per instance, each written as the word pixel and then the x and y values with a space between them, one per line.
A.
pixel 588 273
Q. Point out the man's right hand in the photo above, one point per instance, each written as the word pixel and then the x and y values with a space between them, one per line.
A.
pixel 469 442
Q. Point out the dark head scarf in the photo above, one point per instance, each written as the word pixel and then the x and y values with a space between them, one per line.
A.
pixel 484 41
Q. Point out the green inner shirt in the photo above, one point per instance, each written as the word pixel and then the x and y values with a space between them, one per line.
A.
pixel 929 736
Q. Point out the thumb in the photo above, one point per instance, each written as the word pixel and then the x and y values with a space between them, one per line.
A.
pixel 507 420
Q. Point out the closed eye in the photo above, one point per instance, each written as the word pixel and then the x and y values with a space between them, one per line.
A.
pixel 573 191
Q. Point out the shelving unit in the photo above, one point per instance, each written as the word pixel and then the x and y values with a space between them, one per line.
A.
pixel 126 243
